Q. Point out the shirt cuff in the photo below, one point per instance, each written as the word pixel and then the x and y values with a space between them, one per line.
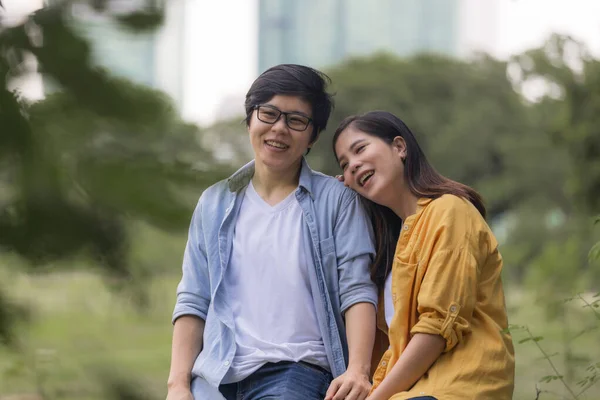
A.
pixel 450 326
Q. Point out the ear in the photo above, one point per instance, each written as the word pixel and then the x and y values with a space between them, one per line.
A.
pixel 248 120
pixel 399 145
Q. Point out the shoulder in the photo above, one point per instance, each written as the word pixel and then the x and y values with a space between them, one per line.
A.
pixel 450 208
pixel 214 196
pixel 329 189
pixel 455 222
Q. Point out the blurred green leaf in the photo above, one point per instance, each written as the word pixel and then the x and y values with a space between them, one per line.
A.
pixel 119 385
pixel 594 253
pixel 17 368
pixel 547 357
pixel 142 21
pixel 11 315
pixel 550 378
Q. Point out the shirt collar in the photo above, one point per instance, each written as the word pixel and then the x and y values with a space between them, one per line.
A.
pixel 241 178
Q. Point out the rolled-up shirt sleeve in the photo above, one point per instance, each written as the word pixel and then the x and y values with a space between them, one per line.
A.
pixel 193 291
pixel 355 251
pixel 447 296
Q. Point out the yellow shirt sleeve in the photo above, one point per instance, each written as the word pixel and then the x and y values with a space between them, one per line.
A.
pixel 447 296
pixel 448 293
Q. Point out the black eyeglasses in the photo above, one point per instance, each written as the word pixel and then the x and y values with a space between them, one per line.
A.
pixel 270 115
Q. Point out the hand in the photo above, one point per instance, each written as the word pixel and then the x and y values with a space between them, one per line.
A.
pixel 180 393
pixel 341 179
pixel 351 385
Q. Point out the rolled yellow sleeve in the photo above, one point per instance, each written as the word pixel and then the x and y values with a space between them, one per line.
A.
pixel 447 296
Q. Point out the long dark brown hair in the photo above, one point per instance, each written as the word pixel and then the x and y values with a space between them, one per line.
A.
pixel 422 180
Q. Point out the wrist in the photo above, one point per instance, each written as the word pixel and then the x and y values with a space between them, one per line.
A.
pixel 179 382
pixel 364 369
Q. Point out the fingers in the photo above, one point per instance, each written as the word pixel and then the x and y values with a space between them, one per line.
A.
pixel 357 393
pixel 333 388
pixel 343 390
pixel 346 387
pixel 341 179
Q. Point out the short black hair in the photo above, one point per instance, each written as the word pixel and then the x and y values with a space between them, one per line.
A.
pixel 293 80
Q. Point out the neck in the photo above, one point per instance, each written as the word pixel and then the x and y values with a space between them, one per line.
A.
pixel 272 184
pixel 404 203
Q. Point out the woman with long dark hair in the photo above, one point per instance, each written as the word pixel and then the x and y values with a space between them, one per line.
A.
pixel 437 267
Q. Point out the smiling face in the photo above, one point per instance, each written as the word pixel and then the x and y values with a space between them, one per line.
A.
pixel 371 166
pixel 276 146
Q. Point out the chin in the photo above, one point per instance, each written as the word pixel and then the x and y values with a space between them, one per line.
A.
pixel 365 194
pixel 278 162
pixel 370 195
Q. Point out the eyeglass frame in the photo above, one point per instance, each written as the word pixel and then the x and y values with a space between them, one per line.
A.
pixel 285 114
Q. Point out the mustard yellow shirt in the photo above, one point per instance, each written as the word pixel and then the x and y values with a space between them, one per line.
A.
pixel 446 281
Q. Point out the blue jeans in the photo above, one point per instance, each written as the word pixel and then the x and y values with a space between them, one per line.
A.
pixel 281 381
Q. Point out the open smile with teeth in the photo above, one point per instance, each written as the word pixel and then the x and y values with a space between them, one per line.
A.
pixel 365 177
pixel 278 145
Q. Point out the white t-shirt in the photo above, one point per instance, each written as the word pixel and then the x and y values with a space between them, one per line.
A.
pixel 388 301
pixel 273 308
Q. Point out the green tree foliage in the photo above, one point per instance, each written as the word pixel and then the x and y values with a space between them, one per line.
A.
pixel 570 109
pixel 471 123
pixel 97 156
pixel 76 165
pixel 475 128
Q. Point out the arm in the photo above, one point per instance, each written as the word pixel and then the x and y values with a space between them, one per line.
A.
pixel 187 343
pixel 189 315
pixel 420 353
pixel 355 250
pixel 360 320
pixel 358 298
pixel 360 331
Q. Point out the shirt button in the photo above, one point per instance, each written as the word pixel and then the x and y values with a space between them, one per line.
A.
pixel 406 227
pixel 226 363
pixel 452 308
pixel 383 363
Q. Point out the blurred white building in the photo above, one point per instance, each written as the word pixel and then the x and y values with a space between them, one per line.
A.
pixel 155 59
pixel 322 33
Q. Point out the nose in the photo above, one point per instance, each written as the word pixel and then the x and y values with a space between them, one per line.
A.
pixel 354 166
pixel 280 123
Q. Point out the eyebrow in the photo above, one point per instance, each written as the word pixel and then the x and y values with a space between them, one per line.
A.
pixel 357 142
pixel 352 146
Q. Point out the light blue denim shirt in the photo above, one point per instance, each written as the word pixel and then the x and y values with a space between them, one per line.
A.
pixel 339 241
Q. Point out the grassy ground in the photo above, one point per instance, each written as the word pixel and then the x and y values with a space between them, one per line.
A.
pixel 79 326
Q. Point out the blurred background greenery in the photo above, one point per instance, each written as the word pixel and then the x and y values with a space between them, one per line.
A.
pixel 99 178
